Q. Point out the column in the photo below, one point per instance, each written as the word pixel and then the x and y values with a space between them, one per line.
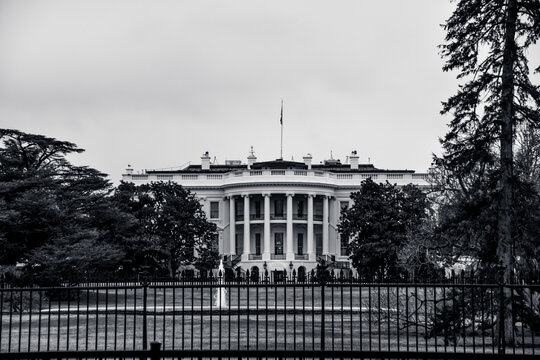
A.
pixel 232 226
pixel 310 238
pixel 266 239
pixel 290 248
pixel 246 253
pixel 325 226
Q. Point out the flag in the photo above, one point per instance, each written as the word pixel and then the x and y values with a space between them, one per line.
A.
pixel 281 118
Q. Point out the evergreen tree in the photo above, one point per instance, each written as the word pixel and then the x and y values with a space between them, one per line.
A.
pixel 51 211
pixel 487 43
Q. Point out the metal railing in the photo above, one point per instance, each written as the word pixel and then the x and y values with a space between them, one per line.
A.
pixel 321 315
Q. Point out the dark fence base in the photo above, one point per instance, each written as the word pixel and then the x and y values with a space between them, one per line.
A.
pixel 255 354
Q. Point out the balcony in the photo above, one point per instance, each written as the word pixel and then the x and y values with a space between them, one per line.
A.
pixel 277 256
pixel 300 256
pixel 255 257
pixel 259 216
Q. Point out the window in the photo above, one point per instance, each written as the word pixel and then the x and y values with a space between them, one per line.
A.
pixel 239 210
pixel 318 244
pixel 214 210
pixel 278 243
pixel 300 209
pixel 344 245
pixel 239 244
pixel 257 209
pixel 343 205
pixel 300 244
pixel 278 208
pixel 318 209
pixel 258 244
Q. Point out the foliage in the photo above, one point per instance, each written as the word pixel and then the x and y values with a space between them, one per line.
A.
pixel 52 211
pixel 377 225
pixel 467 224
pixel 487 43
pixel 171 226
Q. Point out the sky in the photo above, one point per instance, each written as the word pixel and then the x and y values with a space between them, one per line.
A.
pixel 156 83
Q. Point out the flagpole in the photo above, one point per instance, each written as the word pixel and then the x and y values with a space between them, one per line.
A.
pixel 281 122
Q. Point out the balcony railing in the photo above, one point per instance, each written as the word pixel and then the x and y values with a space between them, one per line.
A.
pixel 318 217
pixel 340 177
pixel 299 216
pixel 256 216
pixel 274 216
pixel 300 256
pixel 255 257
pixel 277 256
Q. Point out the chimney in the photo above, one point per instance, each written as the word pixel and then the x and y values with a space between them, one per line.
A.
pixel 307 160
pixel 205 161
pixel 354 160
pixel 129 170
pixel 251 158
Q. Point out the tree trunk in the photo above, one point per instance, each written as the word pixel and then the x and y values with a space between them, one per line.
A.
pixel 172 266
pixel 504 231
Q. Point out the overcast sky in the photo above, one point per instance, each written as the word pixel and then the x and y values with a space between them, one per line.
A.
pixel 156 83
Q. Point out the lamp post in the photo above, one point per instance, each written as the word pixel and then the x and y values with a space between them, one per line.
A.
pixel 291 270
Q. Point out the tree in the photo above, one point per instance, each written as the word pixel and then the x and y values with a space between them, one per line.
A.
pixel 49 206
pixel 377 225
pixel 171 227
pixel 487 43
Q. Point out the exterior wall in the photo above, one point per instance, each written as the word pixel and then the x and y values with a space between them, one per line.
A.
pixel 235 185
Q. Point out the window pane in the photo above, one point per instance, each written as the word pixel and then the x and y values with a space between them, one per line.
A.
pixel 344 245
pixel 318 244
pixel 214 210
pixel 239 244
pixel 278 207
pixel 278 243
pixel 300 209
pixel 257 244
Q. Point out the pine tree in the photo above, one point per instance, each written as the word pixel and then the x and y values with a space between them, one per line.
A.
pixel 487 42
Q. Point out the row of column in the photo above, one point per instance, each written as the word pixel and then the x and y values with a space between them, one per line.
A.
pixel 267 232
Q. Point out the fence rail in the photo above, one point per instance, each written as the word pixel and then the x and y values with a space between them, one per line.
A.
pixel 315 317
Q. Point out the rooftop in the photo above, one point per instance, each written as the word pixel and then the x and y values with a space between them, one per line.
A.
pixel 330 165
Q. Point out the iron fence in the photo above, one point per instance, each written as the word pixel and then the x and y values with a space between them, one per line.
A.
pixel 317 316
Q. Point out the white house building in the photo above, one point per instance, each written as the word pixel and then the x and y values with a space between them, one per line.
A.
pixel 277 215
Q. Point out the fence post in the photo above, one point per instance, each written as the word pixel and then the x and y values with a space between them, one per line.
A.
pixel 155 348
pixel 145 330
pixel 502 346
pixel 323 340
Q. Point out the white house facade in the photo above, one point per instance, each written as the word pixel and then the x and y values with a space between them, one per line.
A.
pixel 277 215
